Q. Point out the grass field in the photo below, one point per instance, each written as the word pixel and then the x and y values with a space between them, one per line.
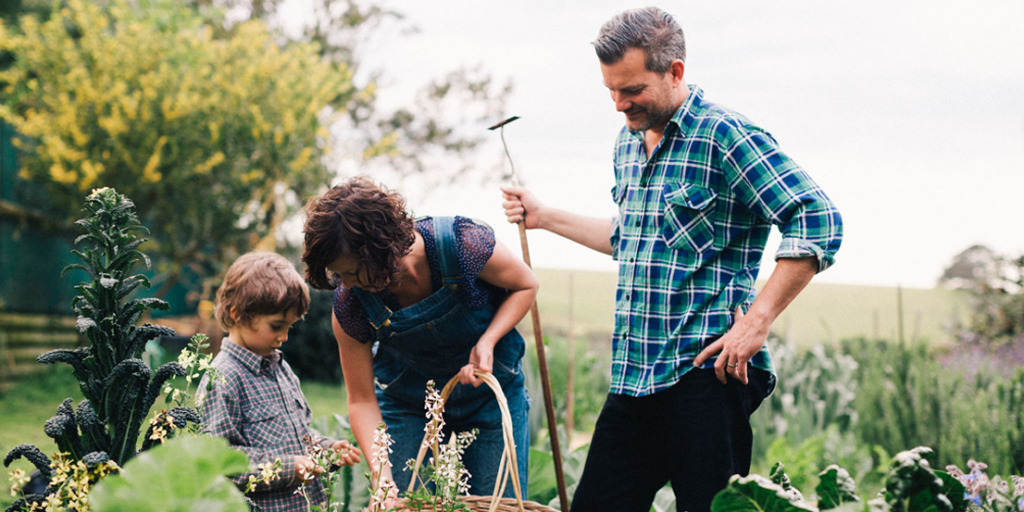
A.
pixel 821 313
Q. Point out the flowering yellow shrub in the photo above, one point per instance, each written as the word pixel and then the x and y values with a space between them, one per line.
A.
pixel 200 130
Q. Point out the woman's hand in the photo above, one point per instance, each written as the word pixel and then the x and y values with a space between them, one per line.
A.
pixel 481 358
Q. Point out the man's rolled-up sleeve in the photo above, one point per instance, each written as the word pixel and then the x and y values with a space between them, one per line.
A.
pixel 778 190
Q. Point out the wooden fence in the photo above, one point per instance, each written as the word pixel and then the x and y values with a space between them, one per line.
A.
pixel 23 337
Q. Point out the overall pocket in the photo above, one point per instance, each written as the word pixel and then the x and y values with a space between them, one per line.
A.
pixel 687 221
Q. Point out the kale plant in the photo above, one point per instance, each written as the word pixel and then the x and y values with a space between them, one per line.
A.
pixel 119 388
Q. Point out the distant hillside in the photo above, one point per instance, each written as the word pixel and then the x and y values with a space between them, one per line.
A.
pixel 822 313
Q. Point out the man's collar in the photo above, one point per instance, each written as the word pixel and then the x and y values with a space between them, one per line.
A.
pixel 253 362
pixel 683 117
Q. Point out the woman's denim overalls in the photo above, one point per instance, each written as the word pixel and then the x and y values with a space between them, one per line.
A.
pixel 432 340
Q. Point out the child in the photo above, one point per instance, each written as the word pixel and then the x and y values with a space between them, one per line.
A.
pixel 257 403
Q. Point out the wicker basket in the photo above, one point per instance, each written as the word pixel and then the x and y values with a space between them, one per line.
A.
pixel 506 469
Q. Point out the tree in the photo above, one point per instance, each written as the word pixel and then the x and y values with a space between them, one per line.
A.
pixel 217 138
pixel 436 135
pixel 995 287
pixel 220 128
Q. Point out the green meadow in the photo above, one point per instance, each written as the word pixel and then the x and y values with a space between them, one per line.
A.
pixel 821 313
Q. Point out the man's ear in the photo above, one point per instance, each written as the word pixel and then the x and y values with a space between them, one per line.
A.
pixel 677 68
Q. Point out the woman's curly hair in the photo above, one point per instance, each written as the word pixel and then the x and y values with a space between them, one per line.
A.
pixel 360 220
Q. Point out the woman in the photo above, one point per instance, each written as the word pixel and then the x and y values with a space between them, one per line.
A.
pixel 417 301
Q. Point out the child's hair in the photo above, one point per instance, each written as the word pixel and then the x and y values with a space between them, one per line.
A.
pixel 361 220
pixel 260 283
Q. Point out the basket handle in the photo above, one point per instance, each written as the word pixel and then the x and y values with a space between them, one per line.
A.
pixel 508 466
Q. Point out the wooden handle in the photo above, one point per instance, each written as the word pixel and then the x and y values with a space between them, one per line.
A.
pixel 545 381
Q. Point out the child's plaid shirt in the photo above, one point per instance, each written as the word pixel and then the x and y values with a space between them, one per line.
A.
pixel 692 226
pixel 261 410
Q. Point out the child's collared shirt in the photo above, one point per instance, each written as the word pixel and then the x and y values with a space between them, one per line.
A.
pixel 260 409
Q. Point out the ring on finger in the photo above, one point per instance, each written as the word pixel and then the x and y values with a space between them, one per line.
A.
pixel 731 365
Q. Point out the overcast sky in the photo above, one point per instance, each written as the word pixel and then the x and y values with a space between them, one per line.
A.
pixel 909 114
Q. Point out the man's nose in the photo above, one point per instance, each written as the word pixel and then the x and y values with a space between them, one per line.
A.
pixel 621 104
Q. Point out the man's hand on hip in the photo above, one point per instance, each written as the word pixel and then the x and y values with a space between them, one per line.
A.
pixel 736 347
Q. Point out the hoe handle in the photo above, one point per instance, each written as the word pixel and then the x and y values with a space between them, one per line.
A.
pixel 545 381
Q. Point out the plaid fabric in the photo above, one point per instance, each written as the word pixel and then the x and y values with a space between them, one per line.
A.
pixel 261 411
pixel 692 226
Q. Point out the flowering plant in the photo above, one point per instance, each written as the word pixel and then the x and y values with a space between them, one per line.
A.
pixel 444 477
pixel 70 482
pixel 989 494
pixel 380 488
pixel 326 462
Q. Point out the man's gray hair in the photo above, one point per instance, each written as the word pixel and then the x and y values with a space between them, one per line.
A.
pixel 650 29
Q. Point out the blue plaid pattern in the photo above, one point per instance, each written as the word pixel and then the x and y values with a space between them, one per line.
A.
pixel 261 411
pixel 692 226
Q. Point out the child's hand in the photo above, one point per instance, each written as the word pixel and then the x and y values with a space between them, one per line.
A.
pixel 348 455
pixel 306 469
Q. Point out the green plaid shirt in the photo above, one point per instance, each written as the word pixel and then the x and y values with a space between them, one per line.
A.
pixel 692 226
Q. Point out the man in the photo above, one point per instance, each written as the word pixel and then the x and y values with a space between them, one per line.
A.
pixel 698 189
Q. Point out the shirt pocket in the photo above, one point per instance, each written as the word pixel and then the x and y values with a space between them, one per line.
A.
pixel 264 423
pixel 687 221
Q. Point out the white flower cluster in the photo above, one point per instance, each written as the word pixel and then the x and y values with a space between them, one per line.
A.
pixel 434 428
pixel 381 446
pixel 450 474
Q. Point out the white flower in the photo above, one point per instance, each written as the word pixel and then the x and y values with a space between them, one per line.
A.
pixel 382 445
pixel 96 192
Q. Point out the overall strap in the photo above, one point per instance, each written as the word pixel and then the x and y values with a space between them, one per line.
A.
pixel 447 251
pixel 377 313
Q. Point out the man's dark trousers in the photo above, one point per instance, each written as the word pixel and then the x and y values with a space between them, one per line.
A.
pixel 695 434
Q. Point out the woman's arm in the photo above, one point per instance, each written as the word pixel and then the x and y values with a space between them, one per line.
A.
pixel 363 410
pixel 503 270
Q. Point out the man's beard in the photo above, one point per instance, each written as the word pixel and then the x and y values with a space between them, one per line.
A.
pixel 657 116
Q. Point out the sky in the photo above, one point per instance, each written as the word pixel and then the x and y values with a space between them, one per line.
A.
pixel 910 115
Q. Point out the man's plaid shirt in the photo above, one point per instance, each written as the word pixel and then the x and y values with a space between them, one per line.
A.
pixel 692 226
pixel 260 409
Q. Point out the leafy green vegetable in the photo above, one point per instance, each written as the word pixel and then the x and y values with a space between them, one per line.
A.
pixel 836 487
pixel 912 486
pixel 778 476
pixel 183 474
pixel 756 493
pixel 954 490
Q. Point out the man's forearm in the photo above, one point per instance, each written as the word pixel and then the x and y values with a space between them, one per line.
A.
pixel 787 281
pixel 592 232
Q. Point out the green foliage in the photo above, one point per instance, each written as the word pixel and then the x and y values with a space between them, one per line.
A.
pixel 185 474
pixel 995 287
pixel 836 487
pixel 220 134
pixel 350 485
pixel 907 398
pixel 756 493
pixel 912 486
pixel 779 477
pixel 119 388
